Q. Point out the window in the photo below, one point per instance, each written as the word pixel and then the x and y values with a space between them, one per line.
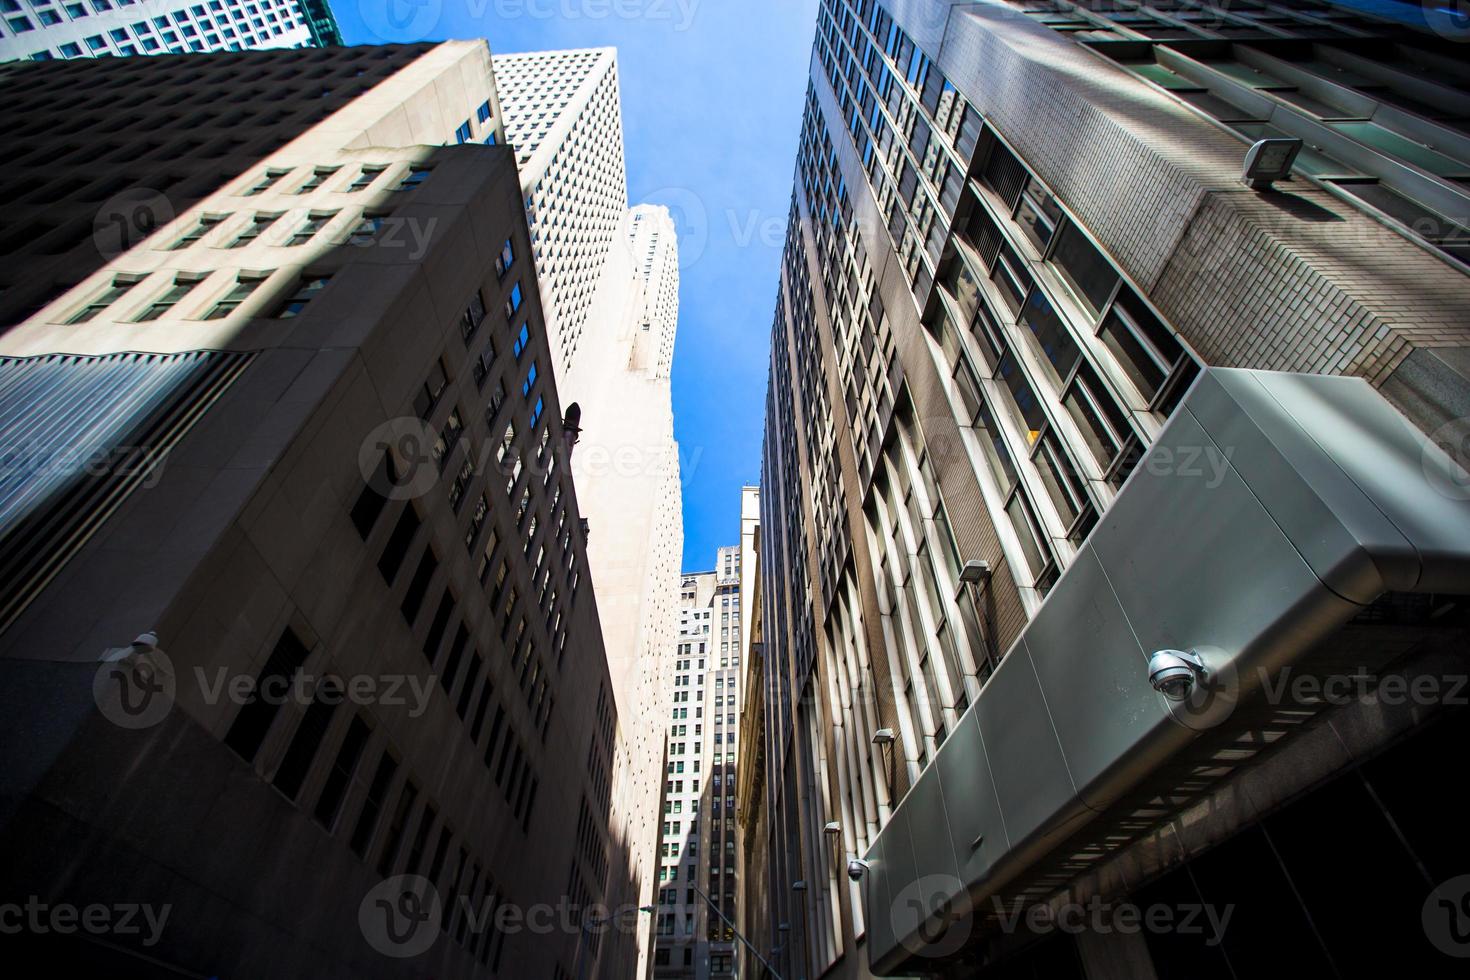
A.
pixel 513 302
pixel 258 224
pixel 483 112
pixel 245 284
pixel 253 721
pixel 315 222
pixel 462 134
pixel 114 291
pixel 182 284
pixel 1143 346
pixel 306 291
pixel 530 381
pixel 365 177
pixel 366 230
pixel 271 178
pixel 200 229
pixel 1089 274
pixel 472 317
pixel 344 769
pixel 317 178
pixel 536 412
pixel 412 179
pixel 434 385
pixel 522 339
pixel 505 259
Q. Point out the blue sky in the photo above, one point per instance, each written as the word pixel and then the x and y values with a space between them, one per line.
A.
pixel 712 97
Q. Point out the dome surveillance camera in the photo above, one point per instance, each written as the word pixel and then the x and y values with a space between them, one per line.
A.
pixel 856 868
pixel 1173 673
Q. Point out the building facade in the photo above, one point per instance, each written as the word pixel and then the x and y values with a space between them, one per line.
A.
pixel 564 115
pixel 43 30
pixel 698 878
pixel 1041 363
pixel 626 469
pixel 300 438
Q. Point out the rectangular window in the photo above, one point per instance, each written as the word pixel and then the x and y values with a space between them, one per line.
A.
pixel 396 826
pixel 317 178
pixel 513 302
pixel 170 298
pixel 505 259
pixel 522 339
pixel 371 501
pixel 200 229
pixel 307 740
pixel 412 179
pixel 305 292
pixel 434 385
pixel 463 134
pixel 271 178
pixel 483 113
pixel 1091 276
pixel 250 726
pixel 372 807
pixel 258 224
pixel 397 547
pixel 472 317
pixel 418 586
pixel 365 178
pixel 245 284
pixel 314 223
pixel 344 770
pixel 114 291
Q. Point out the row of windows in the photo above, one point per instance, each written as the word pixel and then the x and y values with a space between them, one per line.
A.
pixel 180 287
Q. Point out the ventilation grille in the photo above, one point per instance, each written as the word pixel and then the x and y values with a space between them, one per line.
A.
pixel 77 435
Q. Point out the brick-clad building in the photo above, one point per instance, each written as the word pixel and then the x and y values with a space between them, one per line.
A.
pixel 1055 393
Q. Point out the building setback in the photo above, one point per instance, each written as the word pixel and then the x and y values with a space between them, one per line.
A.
pixel 43 30
pixel 1057 401
pixel 698 877
pixel 298 434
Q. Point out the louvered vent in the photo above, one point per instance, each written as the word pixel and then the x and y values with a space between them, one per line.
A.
pixel 77 435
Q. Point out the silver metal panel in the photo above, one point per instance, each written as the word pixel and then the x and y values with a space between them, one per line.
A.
pixel 1324 514
pixel 1197 562
pixel 977 829
pixel 877 901
pixel 1094 677
pixel 929 832
pixel 1406 476
pixel 1032 785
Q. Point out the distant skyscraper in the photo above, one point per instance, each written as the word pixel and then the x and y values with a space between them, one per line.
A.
pixel 304 431
pixel 43 29
pixel 697 849
pixel 626 471
pixel 563 114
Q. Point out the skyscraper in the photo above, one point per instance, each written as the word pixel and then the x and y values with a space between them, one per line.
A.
pixel 698 875
pixel 1083 424
pixel 626 469
pixel 42 30
pixel 300 438
pixel 563 113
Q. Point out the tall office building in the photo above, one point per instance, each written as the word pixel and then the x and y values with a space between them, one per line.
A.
pixel 698 877
pixel 302 441
pixel 563 113
pixel 42 30
pixel 1092 458
pixel 626 469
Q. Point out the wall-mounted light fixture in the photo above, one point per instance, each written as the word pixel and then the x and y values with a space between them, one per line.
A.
pixel 1269 160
